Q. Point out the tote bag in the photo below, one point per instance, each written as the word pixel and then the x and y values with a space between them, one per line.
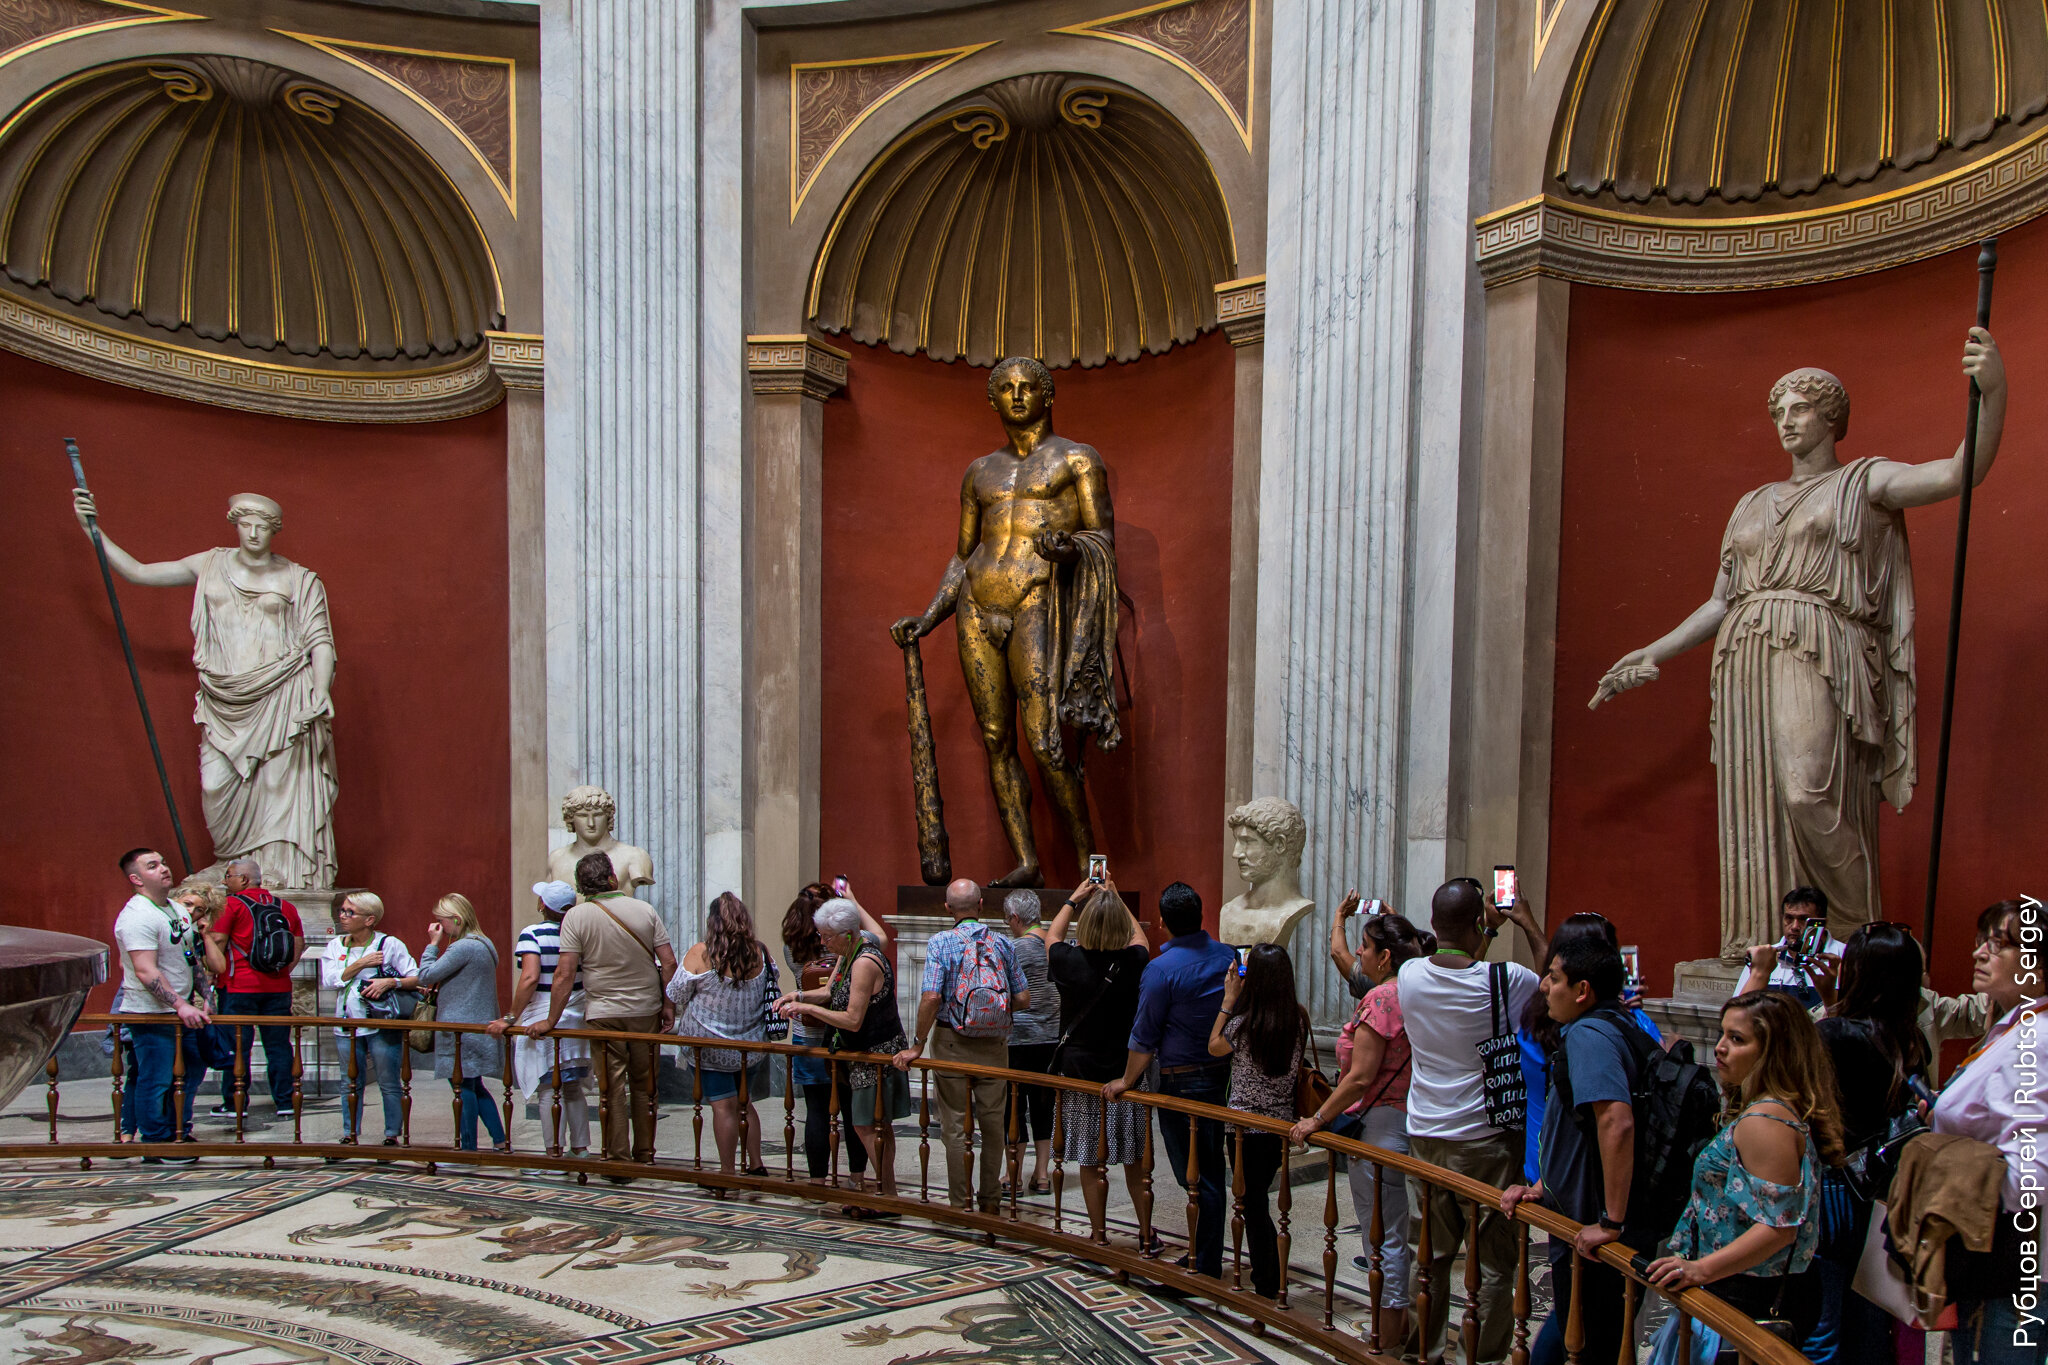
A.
pixel 1507 1097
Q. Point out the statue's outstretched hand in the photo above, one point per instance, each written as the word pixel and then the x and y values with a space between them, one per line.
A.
pixel 1631 670
pixel 1982 362
pixel 908 629
pixel 1058 546
pixel 82 506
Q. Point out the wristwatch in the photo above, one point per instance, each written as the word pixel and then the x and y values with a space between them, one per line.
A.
pixel 1611 1224
pixel 1491 931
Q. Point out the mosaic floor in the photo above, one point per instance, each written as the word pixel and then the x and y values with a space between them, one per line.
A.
pixel 385 1266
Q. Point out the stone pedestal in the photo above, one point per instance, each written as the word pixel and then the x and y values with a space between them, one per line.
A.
pixel 1707 981
pixel 1698 990
pixel 912 932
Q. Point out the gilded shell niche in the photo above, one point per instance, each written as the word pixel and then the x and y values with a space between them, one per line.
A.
pixel 1045 215
pixel 240 207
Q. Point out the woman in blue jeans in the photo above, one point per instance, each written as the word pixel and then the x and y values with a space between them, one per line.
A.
pixel 461 967
pixel 363 964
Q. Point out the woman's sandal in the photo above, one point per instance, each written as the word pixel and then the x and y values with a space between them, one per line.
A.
pixel 1041 1187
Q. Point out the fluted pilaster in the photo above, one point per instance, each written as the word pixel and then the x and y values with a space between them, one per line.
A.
pixel 628 497
pixel 1371 109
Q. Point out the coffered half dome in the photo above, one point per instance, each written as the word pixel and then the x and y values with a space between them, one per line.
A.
pixel 238 207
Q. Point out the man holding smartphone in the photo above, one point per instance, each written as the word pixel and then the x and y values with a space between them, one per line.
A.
pixel 1805 950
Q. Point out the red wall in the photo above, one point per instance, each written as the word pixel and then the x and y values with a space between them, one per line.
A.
pixel 1665 429
pixel 406 524
pixel 896 445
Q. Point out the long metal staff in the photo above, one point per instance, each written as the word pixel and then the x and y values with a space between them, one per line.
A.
pixel 92 527
pixel 1987 267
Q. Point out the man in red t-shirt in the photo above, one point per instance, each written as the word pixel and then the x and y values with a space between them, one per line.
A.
pixel 245 990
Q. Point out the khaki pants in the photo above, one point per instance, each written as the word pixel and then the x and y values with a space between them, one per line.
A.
pixel 625 1079
pixel 1495 1161
pixel 989 1110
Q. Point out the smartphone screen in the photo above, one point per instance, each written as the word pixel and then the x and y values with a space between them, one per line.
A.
pixel 1244 957
pixel 1375 908
pixel 839 885
pixel 1632 964
pixel 1505 886
pixel 1098 867
pixel 1816 938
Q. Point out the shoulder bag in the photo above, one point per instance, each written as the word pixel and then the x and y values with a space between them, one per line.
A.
pixel 393 1004
pixel 421 1039
pixel 647 948
pixel 1500 1056
pixel 1311 1086
pixel 1109 978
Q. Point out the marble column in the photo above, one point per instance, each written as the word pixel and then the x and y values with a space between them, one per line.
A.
pixel 791 377
pixel 644 624
pixel 518 360
pixel 1370 293
pixel 1241 312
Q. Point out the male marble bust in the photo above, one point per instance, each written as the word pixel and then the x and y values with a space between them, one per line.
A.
pixel 1270 835
pixel 587 813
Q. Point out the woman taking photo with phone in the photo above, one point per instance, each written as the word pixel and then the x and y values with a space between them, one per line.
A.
pixel 1263 1029
pixel 1752 1224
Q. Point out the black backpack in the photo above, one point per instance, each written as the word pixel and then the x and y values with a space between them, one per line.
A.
pixel 1677 1105
pixel 270 939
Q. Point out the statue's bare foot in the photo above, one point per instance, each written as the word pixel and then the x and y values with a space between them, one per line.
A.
pixel 1025 874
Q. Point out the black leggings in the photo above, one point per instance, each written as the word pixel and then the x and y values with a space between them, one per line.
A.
pixel 818 1132
pixel 1037 1121
pixel 1261 1157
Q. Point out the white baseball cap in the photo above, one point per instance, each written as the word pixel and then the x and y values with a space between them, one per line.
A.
pixel 555 895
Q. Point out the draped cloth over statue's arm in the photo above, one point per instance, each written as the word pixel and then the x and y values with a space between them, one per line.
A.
pixel 1087 615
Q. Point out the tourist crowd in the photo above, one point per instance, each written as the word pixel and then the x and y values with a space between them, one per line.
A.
pixel 1791 1178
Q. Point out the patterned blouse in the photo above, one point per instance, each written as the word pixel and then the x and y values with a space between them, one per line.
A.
pixel 1727 1200
pixel 1251 1089
pixel 709 1006
pixel 861 1075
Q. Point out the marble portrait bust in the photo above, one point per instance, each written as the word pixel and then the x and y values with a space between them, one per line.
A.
pixel 1268 837
pixel 587 813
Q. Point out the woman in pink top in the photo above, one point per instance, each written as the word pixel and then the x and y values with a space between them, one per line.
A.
pixel 1372 1098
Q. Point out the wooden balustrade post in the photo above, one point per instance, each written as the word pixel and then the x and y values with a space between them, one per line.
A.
pixel 242 1049
pixel 1194 1189
pixel 1425 1281
pixel 746 1102
pixel 1330 1243
pixel 1684 1333
pixel 50 1071
pixel 1013 1162
pixel 832 1070
pixel 298 1085
pixel 1376 1274
pixel 455 1051
pixel 1145 1233
pixel 505 1057
pixel 1468 1325
pixel 555 1144
pixel 1284 1201
pixel 1519 1353
pixel 351 1091
pixel 1059 1165
pixel 1575 1317
pixel 1627 1354
pixel 924 1137
pixel 117 1066
pixel 789 1116
pixel 404 1091
pixel 652 1099
pixel 1099 1233
pixel 696 1105
pixel 1237 1208
pixel 176 1099
pixel 967 1145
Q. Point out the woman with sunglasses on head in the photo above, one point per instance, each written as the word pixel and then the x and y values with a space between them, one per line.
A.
pixel 1984 1100
pixel 1370 1102
pixel 1750 1229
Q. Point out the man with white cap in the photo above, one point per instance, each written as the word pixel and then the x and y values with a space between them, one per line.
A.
pixel 542 1065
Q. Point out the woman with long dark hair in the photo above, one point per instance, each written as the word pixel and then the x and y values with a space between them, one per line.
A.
pixel 1751 1227
pixel 1263 1029
pixel 720 992
pixel 805 951
pixel 1370 1102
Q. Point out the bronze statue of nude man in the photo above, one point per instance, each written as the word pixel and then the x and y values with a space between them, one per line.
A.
pixel 1032 585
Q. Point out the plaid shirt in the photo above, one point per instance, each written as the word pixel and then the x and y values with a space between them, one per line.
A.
pixel 947 954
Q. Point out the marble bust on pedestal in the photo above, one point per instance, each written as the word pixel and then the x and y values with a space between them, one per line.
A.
pixel 587 813
pixel 1269 835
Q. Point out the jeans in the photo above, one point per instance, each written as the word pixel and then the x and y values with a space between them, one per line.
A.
pixel 818 1131
pixel 476 1104
pixel 1599 1309
pixel 156 1048
pixel 1209 1085
pixel 951 1101
pixel 1386 1127
pixel 1494 1160
pixel 277 1043
pixel 1259 1155
pixel 1988 1332
pixel 379 1048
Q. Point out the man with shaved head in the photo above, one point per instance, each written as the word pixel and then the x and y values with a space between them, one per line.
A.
pixel 972 987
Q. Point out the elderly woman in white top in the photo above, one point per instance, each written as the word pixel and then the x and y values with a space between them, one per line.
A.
pixel 1985 1100
pixel 720 993
pixel 364 964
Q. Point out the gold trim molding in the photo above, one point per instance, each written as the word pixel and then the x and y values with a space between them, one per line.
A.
pixel 458 390
pixel 333 47
pixel 1546 24
pixel 1552 236
pixel 146 14
pixel 1241 309
pixel 937 61
pixel 796 364
pixel 519 359
pixel 1100 28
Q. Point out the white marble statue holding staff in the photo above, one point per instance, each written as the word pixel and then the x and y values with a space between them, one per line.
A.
pixel 1813 681
pixel 265 654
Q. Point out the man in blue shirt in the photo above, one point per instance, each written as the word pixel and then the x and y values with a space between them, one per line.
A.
pixel 969 952
pixel 1178 999
pixel 1588 1145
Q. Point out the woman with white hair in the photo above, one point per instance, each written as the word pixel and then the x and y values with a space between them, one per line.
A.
pixel 857 1007
pixel 1034 1036
pixel 363 963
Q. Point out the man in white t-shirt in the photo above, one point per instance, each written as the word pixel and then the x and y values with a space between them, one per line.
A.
pixel 160 953
pixel 1447 1007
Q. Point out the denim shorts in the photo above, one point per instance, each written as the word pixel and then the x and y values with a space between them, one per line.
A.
pixel 723 1085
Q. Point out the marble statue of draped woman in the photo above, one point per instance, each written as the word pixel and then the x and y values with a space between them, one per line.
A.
pixel 266 754
pixel 1812 705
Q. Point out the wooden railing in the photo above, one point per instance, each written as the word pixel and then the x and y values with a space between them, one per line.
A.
pixel 1313 1323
